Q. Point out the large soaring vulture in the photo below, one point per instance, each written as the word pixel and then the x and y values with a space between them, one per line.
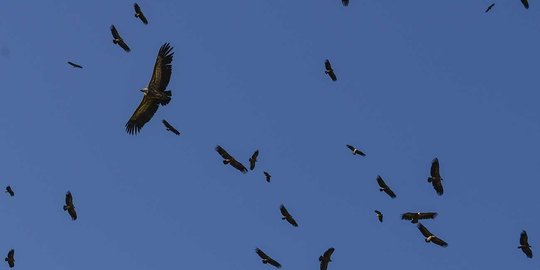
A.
pixel 139 14
pixel 228 159
pixel 379 215
pixel 10 259
pixel 267 176
pixel 329 70
pixel 287 216
pixel 490 7
pixel 414 217
pixel 384 187
pixel 431 237
pixel 155 93
pixel 74 65
pixel 326 258
pixel 169 127
pixel 9 190
pixel 69 207
pixel 524 244
pixel 117 39
pixel 355 151
pixel 266 259
pixel 525 3
pixel 253 159
pixel 435 179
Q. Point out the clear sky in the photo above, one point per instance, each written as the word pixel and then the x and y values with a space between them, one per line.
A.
pixel 416 80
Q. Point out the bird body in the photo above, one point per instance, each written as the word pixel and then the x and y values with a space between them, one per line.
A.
pixel 10 191
pixel 253 160
pixel 326 258
pixel 228 159
pixel 525 3
pixel 435 179
pixel 379 215
pixel 287 216
pixel 10 259
pixel 69 207
pixel 117 39
pixel 74 65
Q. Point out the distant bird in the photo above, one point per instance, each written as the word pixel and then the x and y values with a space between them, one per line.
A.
pixel 329 69
pixel 266 259
pixel 267 176
pixel 10 259
pixel 345 2
pixel 118 39
pixel 379 215
pixel 524 244
pixel 431 237
pixel 414 217
pixel 74 65
pixel 326 258
pixel 228 159
pixel 490 7
pixel 10 191
pixel 384 187
pixel 69 207
pixel 355 151
pixel 170 127
pixel 253 159
pixel 155 93
pixel 139 14
pixel 435 179
pixel 287 216
pixel 525 3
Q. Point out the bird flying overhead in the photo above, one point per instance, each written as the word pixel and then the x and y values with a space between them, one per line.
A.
pixel 326 258
pixel 170 127
pixel 287 216
pixel 253 159
pixel 345 2
pixel 355 151
pixel 74 65
pixel 10 191
pixel 118 39
pixel 267 176
pixel 435 179
pixel 228 159
pixel 524 244
pixel 431 237
pixel 414 217
pixel 329 69
pixel 266 259
pixel 155 93
pixel 525 3
pixel 379 215
pixel 139 14
pixel 69 207
pixel 10 259
pixel 384 187
pixel 490 7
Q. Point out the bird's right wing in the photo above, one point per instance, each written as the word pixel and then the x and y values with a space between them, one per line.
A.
pixel 144 112
pixel 425 232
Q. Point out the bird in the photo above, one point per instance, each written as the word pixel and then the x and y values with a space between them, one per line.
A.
pixel 355 151
pixel 414 217
pixel 524 244
pixel 525 3
pixel 118 39
pixel 267 176
pixel 139 14
pixel 228 159
pixel 155 93
pixel 10 191
pixel 74 65
pixel 490 7
pixel 326 258
pixel 253 159
pixel 329 70
pixel 287 216
pixel 69 207
pixel 10 259
pixel 384 187
pixel 170 127
pixel 435 179
pixel 345 2
pixel 379 215
pixel 266 259
pixel 431 237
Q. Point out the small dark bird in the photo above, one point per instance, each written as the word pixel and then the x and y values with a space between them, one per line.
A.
pixel 329 70
pixel 431 237
pixel 384 187
pixel 10 191
pixel 435 179
pixel 10 259
pixel 524 244
pixel 253 159
pixel 490 7
pixel 228 159
pixel 326 258
pixel 525 3
pixel 118 39
pixel 287 216
pixel 414 217
pixel 355 151
pixel 267 176
pixel 74 65
pixel 139 14
pixel 170 127
pixel 345 2
pixel 379 215
pixel 69 207
pixel 266 259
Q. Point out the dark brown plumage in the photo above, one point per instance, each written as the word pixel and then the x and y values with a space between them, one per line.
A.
pixel 490 7
pixel 9 190
pixel 355 151
pixel 326 258
pixel 170 127
pixel 10 259
pixel 267 176
pixel 155 93
pixel 228 159
pixel 69 207
pixel 435 179
pixel 74 65
pixel 287 216
pixel 414 217
pixel 266 259
pixel 384 187
pixel 524 244
pixel 253 159
pixel 345 2
pixel 525 3
pixel 118 39
pixel 431 237
pixel 139 14
pixel 329 70
pixel 379 215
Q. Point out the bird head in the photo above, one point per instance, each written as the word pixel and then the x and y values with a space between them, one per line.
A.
pixel 145 90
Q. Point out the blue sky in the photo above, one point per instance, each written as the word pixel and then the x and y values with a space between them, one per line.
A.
pixel 416 80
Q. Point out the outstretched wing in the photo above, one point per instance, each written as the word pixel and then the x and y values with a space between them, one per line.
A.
pixel 328 253
pixel 345 2
pixel 72 213
pixel 427 215
pixel 74 65
pixel 162 69
pixel 438 241
pixel 147 108
pixel 253 159
pixel 437 185
pixel 261 254
pixel 325 258
pixel 490 7
pixel 425 232
pixel 170 127
pixel 435 168
pixel 114 32
pixel 69 198
pixel 350 147
pixel 223 153
pixel 381 182
pixel 525 3
pixel 239 166
pixel 524 239
pixel 267 176
pixel 408 216
pixel 385 187
pixel 11 258
pixel 287 216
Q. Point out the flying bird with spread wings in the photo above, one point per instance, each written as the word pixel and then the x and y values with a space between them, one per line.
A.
pixel 267 176
pixel 355 151
pixel 228 159
pixel 435 179
pixel 379 215
pixel 524 244
pixel 170 127
pixel 414 217
pixel 525 3
pixel 74 65
pixel 139 14
pixel 384 187
pixel 117 39
pixel 69 207
pixel 490 7
pixel 10 259
pixel 155 93
pixel 326 258
pixel 9 190
pixel 253 159
pixel 431 237
pixel 329 70
pixel 267 259
pixel 287 216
